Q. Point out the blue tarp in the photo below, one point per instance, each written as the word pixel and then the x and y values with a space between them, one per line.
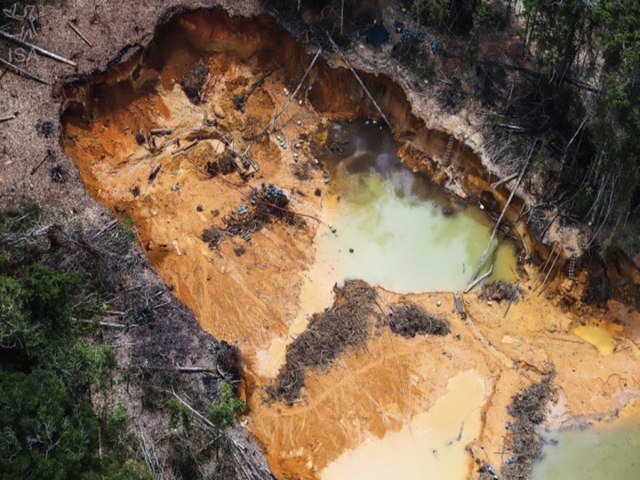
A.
pixel 377 35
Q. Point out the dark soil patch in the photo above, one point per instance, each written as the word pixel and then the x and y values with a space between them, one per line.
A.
pixel 497 291
pixel 212 236
pixel 528 410
pixel 213 168
pixel 46 128
pixel 228 360
pixel 58 173
pixel 329 334
pixel 598 290
pixel 193 81
pixel 302 171
pixel 227 165
pixel 609 277
pixel 410 320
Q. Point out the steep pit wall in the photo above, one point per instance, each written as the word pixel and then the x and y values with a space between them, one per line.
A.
pixel 333 92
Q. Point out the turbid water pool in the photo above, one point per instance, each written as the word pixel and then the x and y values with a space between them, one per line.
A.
pixel 393 228
pixel 606 451
pixel 432 445
pixel 389 227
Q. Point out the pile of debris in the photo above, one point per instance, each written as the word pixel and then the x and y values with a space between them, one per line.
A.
pixel 409 320
pixel 226 164
pixel 528 410
pixel 194 80
pixel 345 325
pixel 212 236
pixel 265 204
pixel 498 290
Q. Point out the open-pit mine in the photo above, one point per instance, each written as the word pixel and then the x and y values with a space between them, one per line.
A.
pixel 304 209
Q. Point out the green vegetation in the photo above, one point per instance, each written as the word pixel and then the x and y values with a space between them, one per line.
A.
pixel 222 411
pixel 430 12
pixel 48 365
pixel 595 48
pixel 487 18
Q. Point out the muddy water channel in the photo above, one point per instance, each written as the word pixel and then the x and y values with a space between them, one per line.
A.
pixel 379 395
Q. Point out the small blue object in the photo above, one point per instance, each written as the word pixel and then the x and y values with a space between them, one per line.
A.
pixel 377 35
pixel 420 36
pixel 435 45
pixel 405 35
pixel 491 470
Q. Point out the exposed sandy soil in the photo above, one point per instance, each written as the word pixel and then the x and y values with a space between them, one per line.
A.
pixel 252 298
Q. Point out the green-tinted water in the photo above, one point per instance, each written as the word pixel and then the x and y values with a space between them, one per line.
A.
pixel 603 452
pixel 394 222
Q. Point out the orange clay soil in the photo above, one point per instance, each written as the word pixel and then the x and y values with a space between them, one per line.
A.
pixel 252 298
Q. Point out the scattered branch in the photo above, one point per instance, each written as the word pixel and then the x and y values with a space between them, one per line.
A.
pixel 185 148
pixel 504 180
pixel 19 71
pixel 100 323
pixel 35 48
pixel 72 26
pixel 479 279
pixel 286 105
pixel 504 210
pixel 366 90
pixel 35 169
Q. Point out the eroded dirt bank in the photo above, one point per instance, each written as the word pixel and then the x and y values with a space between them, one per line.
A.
pixel 173 186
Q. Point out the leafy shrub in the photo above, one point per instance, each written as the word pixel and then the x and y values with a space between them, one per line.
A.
pixel 48 428
pixel 221 412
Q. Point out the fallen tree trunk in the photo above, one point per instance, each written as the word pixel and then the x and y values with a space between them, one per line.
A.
pixel 504 210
